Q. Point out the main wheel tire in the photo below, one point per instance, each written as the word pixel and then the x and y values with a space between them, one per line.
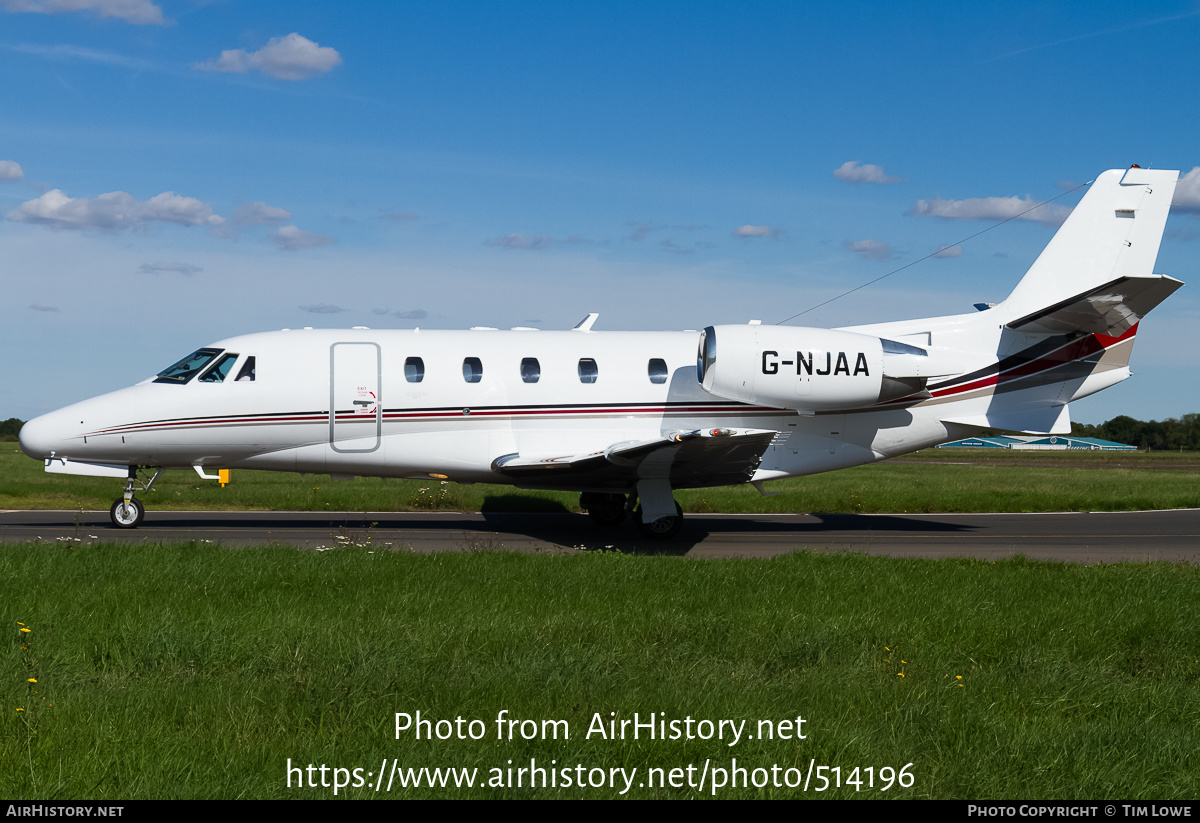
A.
pixel 664 528
pixel 606 510
pixel 127 514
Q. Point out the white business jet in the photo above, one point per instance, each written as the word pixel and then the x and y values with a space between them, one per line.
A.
pixel 625 418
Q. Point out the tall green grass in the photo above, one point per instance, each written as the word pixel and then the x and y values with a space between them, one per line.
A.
pixel 191 671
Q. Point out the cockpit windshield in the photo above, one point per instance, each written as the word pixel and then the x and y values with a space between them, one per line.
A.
pixel 217 373
pixel 188 367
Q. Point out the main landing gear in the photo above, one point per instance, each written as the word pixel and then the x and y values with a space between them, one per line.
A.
pixel 606 510
pixel 664 528
pixel 609 510
pixel 127 511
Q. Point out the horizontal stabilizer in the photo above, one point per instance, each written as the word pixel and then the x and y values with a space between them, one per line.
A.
pixel 1045 420
pixel 1111 309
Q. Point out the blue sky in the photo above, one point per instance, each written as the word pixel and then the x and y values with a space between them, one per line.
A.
pixel 176 172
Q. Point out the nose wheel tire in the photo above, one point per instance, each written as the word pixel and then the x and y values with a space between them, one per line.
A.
pixel 127 514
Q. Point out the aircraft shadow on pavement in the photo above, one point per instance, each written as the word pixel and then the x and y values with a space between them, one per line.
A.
pixel 498 530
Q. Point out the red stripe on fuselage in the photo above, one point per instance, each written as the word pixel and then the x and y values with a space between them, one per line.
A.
pixel 1075 350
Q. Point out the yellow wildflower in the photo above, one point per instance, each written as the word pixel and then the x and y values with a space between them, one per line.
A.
pixel 31 680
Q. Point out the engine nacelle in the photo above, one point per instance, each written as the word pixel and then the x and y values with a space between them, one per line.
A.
pixel 807 369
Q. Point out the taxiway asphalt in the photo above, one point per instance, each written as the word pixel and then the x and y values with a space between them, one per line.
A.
pixel 1084 537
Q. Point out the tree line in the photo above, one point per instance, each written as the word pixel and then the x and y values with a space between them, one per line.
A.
pixel 1158 435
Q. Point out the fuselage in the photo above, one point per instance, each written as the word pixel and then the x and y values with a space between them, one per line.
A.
pixel 414 403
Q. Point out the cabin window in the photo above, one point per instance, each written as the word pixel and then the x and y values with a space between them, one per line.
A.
pixel 531 370
pixel 658 370
pixel 188 367
pixel 472 369
pixel 246 373
pixel 587 370
pixel 414 370
pixel 216 374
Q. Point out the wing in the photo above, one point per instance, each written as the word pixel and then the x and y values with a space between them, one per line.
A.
pixel 691 459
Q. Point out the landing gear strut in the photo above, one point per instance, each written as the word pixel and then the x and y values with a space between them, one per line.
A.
pixel 127 512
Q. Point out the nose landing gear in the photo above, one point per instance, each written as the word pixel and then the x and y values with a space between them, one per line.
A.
pixel 127 511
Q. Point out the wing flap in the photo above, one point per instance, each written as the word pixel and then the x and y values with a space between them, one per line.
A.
pixel 688 459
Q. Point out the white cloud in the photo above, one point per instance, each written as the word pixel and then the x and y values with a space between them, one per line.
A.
pixel 1187 192
pixel 180 268
pixel 870 249
pixel 948 251
pixel 290 238
pixel 322 308
pixel 42 307
pixel 131 11
pixel 11 171
pixel 991 208
pixel 260 214
pixel 758 231
pixel 520 241
pixel 851 172
pixel 285 58
pixel 115 211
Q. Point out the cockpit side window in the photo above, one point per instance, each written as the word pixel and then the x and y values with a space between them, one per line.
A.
pixel 188 367
pixel 246 373
pixel 216 374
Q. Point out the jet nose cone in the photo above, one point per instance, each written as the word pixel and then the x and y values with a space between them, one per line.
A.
pixel 40 436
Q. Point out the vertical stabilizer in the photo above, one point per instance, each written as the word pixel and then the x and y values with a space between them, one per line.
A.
pixel 1114 232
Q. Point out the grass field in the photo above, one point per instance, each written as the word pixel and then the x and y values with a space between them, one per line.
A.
pixel 194 671
pixel 935 480
pixel 198 672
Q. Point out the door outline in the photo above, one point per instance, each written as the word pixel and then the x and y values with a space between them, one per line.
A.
pixel 368 381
